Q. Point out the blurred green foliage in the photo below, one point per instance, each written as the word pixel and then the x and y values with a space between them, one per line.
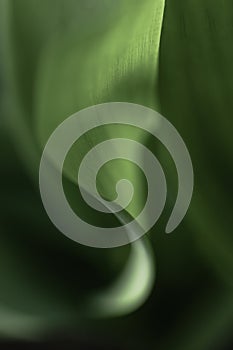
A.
pixel 61 56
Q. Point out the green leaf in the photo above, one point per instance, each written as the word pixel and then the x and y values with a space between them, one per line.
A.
pixel 118 64
pixel 60 59
pixel 195 80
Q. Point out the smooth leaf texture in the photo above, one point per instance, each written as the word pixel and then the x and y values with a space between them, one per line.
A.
pixel 196 85
pixel 76 59
pixel 118 64
pixel 195 89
